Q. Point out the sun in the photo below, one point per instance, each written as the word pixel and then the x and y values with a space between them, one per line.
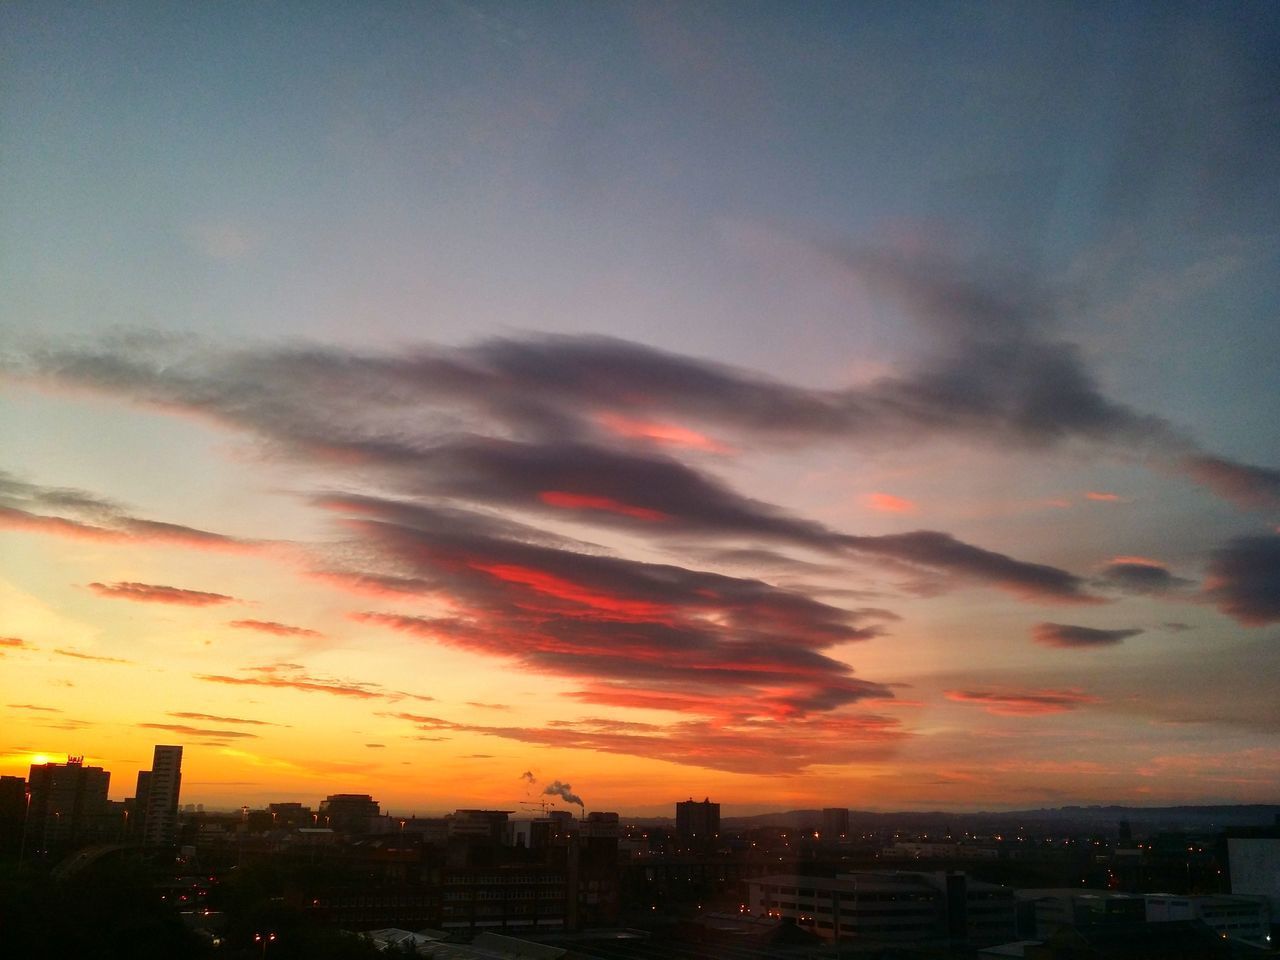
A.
pixel 38 759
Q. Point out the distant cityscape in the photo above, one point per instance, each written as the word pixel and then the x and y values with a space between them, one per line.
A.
pixel 542 882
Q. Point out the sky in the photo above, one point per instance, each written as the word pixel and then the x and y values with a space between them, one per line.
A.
pixel 797 405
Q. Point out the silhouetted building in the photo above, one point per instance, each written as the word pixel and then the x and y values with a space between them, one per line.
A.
pixel 156 803
pixel 13 813
pixel 291 815
pixel 889 905
pixel 835 823
pixel 68 803
pixel 348 812
pixel 697 823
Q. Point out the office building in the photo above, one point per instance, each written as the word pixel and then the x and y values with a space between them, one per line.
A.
pixel 156 800
pixel 835 823
pixel 697 823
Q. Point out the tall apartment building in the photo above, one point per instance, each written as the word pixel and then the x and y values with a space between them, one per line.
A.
pixel 68 803
pixel 835 823
pixel 156 803
pixel 697 822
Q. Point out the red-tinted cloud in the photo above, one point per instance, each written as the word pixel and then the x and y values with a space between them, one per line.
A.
pixel 581 501
pixel 272 627
pixel 1023 703
pixel 748 746
pixel 1242 483
pixel 158 593
pixel 662 433
pixel 888 503
pixel 13 642
pixel 1102 497
pixel 120 529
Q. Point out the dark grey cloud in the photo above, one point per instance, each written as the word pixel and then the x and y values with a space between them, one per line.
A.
pixel 1243 579
pixel 1071 636
pixel 1140 577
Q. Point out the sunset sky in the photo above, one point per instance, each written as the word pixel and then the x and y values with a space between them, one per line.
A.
pixel 873 405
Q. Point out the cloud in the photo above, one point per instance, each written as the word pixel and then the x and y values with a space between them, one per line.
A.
pixel 32 706
pixel 888 503
pixel 1244 579
pixel 1242 483
pixel 272 627
pixel 13 642
pixel 157 593
pixel 1101 497
pixel 748 746
pixel 99 519
pixel 1074 637
pixel 1141 576
pixel 183 715
pixel 62 652
pixel 290 676
pixel 1026 703
pixel 188 731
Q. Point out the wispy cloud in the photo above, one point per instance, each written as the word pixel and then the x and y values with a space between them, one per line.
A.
pixel 1070 636
pixel 212 718
pixel 159 593
pixel 1023 703
pixel 189 731
pixel 291 676
pixel 64 652
pixel 272 627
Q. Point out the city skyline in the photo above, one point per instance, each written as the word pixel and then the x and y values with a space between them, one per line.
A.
pixel 466 405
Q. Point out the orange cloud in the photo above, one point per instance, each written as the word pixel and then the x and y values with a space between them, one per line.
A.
pixel 12 642
pixel 13 519
pixel 88 656
pixel 189 731
pixel 159 593
pixel 666 433
pixel 888 503
pixel 123 530
pixel 272 627
pixel 1104 497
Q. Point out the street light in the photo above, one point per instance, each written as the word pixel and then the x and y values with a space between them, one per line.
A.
pixel 266 939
